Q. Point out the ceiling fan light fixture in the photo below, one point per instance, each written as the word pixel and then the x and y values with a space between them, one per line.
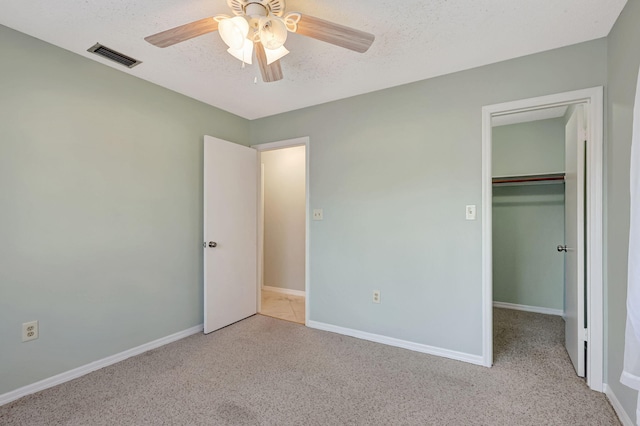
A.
pixel 260 27
pixel 272 32
pixel 275 54
pixel 234 32
pixel 244 54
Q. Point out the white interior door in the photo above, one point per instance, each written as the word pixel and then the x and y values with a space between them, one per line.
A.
pixel 575 134
pixel 230 232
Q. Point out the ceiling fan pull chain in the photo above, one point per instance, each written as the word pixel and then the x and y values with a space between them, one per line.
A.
pixel 291 21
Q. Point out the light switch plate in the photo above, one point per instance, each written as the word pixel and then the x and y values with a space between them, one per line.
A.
pixel 471 212
pixel 317 214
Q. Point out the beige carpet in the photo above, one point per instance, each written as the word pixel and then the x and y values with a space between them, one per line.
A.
pixel 264 371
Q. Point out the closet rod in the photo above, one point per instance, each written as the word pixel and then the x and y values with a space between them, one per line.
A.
pixel 533 179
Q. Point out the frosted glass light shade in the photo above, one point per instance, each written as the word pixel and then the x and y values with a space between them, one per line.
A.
pixel 273 32
pixel 234 31
pixel 275 54
pixel 245 54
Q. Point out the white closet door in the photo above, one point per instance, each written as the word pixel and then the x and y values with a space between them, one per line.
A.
pixel 575 134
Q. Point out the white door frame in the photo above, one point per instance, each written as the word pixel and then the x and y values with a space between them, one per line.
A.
pixel 592 98
pixel 289 143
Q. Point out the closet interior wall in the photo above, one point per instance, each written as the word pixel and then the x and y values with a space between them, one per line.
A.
pixel 528 218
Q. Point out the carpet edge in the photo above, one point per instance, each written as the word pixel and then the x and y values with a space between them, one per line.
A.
pixel 95 365
pixel 527 308
pixel 405 344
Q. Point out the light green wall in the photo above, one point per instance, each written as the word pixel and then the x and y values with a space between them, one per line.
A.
pixel 623 62
pixel 100 208
pixel 528 224
pixel 528 148
pixel 528 221
pixel 393 171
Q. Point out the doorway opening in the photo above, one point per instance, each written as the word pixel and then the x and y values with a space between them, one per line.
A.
pixel 283 230
pixel 535 219
pixel 542 226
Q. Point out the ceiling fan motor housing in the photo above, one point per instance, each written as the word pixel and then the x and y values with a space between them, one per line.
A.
pixel 257 8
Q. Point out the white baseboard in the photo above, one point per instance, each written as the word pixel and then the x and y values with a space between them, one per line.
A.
pixel 622 414
pixel 418 347
pixel 284 291
pixel 95 365
pixel 526 308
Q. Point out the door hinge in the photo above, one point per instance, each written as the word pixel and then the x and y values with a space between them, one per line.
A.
pixel 585 334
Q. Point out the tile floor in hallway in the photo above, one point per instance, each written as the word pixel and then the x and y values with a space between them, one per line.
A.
pixel 283 306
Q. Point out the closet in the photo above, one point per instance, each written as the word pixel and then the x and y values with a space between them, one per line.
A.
pixel 545 231
pixel 529 213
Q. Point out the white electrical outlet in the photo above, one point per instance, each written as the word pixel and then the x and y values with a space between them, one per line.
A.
pixel 29 331
pixel 317 214
pixel 376 296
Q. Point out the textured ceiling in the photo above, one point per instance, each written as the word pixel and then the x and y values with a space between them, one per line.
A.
pixel 415 40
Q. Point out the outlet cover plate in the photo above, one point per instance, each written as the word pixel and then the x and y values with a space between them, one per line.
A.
pixel 29 331
pixel 317 214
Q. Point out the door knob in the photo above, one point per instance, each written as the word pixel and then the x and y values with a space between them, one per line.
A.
pixel 213 244
pixel 562 248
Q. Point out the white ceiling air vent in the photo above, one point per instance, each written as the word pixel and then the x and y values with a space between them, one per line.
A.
pixel 111 54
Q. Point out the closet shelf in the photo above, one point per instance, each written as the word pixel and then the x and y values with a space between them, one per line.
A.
pixel 539 179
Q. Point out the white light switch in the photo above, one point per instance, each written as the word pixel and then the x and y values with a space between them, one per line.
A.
pixel 471 212
pixel 317 214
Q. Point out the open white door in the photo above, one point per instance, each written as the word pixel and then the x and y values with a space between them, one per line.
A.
pixel 230 232
pixel 575 137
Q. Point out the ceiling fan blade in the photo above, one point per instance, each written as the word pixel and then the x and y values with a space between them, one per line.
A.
pixel 270 73
pixel 333 33
pixel 183 32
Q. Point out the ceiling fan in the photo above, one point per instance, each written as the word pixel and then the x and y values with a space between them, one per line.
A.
pixel 261 26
